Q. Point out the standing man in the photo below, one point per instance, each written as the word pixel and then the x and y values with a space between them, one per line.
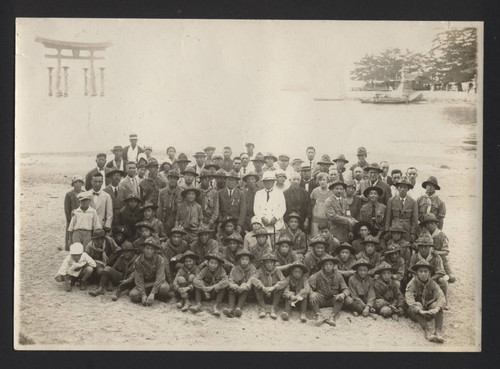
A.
pixel 250 147
pixel 130 184
pixel 375 181
pixel 412 174
pixel 258 163
pixel 209 150
pixel 101 162
pixel 132 151
pixel 323 166
pixel 232 201
pixel 340 161
pixel 357 175
pixel 181 162
pixel 237 164
pixel 152 184
pixel 338 213
pixel 298 200
pixel 297 165
pixel 168 201
pixel 284 164
pixel 200 157
pixel 270 162
pixel 361 154
pixel 306 182
pixel 118 161
pixel 117 194
pixel 209 200
pixel 245 167
pixel 384 176
pixel 403 210
pixel 310 154
pixel 270 206
pixel 101 202
pixel 227 161
pixel 251 189
pixel 171 155
pixel 396 176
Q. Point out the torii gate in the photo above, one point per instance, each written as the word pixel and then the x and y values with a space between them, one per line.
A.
pixel 75 48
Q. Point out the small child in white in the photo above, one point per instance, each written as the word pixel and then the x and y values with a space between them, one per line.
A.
pixel 78 265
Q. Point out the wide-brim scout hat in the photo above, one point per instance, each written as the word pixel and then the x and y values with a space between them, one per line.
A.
pixel 433 181
pixel 397 228
pixel 127 246
pixel 341 157
pixel 424 240
pixel 361 151
pixel 261 232
pixel 232 174
pixel 428 218
pixel 366 192
pixel 297 264
pixel 229 220
pixel 420 264
pixel 214 256
pixel 268 256
pixel 201 154
pixel 391 249
pixel 115 170
pixel 220 173
pixel 132 196
pixel 84 196
pixel 173 173
pixel 244 252
pixel 116 148
pixel 293 215
pixel 235 236
pixel 98 233
pixel 187 190
pixel 251 174
pixel 152 241
pixel 370 239
pixel 204 229
pixel 259 157
pixel 76 249
pixel 285 239
pixel 317 240
pixel 404 181
pixel 182 158
pixel 326 258
pixel 152 163
pixel 270 156
pixel 336 183
pixel 205 173
pixel 384 266
pixel 77 178
pixel 212 165
pixel 361 262
pixel 178 230
pixel 344 246
pixel 189 170
pixel 209 148
pixel 373 166
pixel 188 254
pixel 358 225
pixel 325 159
pixel 121 229
pixel 149 205
pixel 144 225
pixel 217 156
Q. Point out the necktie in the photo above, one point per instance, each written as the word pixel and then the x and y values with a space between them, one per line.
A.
pixel 230 193
pixel 267 193
pixel 244 170
pixel 373 214
pixel 403 202
pixel 116 192
pixel 429 204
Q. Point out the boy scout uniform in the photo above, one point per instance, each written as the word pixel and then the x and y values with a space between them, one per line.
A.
pixel 405 214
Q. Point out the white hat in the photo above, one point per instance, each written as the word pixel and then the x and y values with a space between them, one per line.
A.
pixel 280 172
pixel 256 219
pixel 269 177
pixel 76 249
pixel 75 178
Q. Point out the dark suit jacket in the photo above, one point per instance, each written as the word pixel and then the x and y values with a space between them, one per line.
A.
pixel 407 216
pixel 234 207
pixel 125 152
pixel 312 185
pixel 88 178
pixel 299 201
pixel 381 184
pixel 117 200
pixel 110 164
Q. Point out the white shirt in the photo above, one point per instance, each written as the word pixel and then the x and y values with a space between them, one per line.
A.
pixel 275 207
pixel 120 167
pixel 132 153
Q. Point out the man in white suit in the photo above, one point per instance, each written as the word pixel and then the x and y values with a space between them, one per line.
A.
pixel 269 204
pixel 131 182
pixel 101 201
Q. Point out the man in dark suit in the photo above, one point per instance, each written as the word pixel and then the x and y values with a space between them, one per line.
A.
pixel 374 180
pixel 232 201
pixel 101 161
pixel 307 182
pixel 132 151
pixel 298 200
pixel 384 176
pixel 117 194
pixel 403 210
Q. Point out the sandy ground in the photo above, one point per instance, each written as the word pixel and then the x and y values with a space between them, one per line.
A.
pixel 54 319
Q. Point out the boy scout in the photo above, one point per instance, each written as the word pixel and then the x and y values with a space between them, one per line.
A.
pixel 360 231
pixel 331 242
pixel 328 288
pixel 152 184
pixel 83 221
pixel 403 209
pixel 313 257
pixel 362 294
pixel 101 249
pixel 76 266
pixel 150 283
pixel 130 215
pixel 266 286
pixel 336 210
pixel 295 290
pixel 184 278
pixel 373 212
pixel 285 254
pixel 149 215
pixel 430 203
pixel 233 244
pixel 262 246
pixel 210 282
pixel 209 199
pixel 430 224
pixel 426 301
pixel 227 228
pixel 204 245
pixel 405 248
pixel 374 180
pixel 392 256
pixel 345 260
pixel 168 201
pixel 249 240
pixel 389 301
pixel 144 231
pixel 173 249
pixel 232 202
pixel 369 254
pixel 189 215
pixel 292 230
pixel 240 283
pixel 188 179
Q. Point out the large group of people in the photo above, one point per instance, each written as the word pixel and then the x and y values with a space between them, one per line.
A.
pixel 302 234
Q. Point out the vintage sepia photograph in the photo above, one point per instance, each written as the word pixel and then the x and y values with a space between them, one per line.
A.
pixel 248 185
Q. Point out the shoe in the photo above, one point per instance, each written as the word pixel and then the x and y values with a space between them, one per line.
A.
pixel 216 311
pixel 452 278
pixel 115 297
pixel 355 313
pixel 237 312
pixel 446 307
pixel 439 338
pixel 83 286
pixel 395 317
pixel 97 292
pixel 303 318
pixel 186 306
pixel 262 313
pixel 228 312
pixel 285 316
pixel 180 305
pixel 67 284
pixel 273 314
pixel 373 316
pixel 319 320
pixel 331 321
pixel 195 309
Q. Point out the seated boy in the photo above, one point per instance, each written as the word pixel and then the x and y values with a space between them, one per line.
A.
pixel 396 238
pixel 150 283
pixel 392 256
pixel 233 244
pixel 362 294
pixel 76 266
pixel 149 210
pixel 189 214
pixel 240 283
pixel 389 301
pixel 227 228
pixel 369 254
pixel 183 281
pixel 345 260
pixel 293 222
pixel 173 249
pixel 210 282
pixel 204 245
pixel 312 258
pixel 266 286
pixel 430 224
pixel 119 236
pixel 361 230
pixel 262 247
pixel 425 300
pixel 296 290
pixel 144 231
pixel 331 242
pixel 102 249
pixel 328 288
pixel 249 241
pixel 284 253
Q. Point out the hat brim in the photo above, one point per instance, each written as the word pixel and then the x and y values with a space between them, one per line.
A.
pixel 312 244
pixel 100 236
pixel 195 190
pixel 388 252
pixel 133 249
pixel 238 256
pixel 436 186
pixel 77 180
pixel 178 232
pixel 288 217
pixel 323 261
pixel 127 199
pixel 271 157
pixel 268 259
pixel 290 242
pixel 364 242
pixel 356 266
pixel 86 198
pixel 151 244
pixel 357 226
pixel 394 229
pixel 122 173
pixel 227 239
pixel 210 257
pixel 380 270
pixel 300 266
pixel 367 169
pixel 191 256
pixel 330 187
pixel 262 234
pixel 325 163
pixel 202 231
pixel 410 186
pixel 259 160
pixel 344 160
pixel 145 226
pixel 184 172
pixel 345 247
pixel 415 267
pixel 257 178
pixel 152 206
pixel 366 192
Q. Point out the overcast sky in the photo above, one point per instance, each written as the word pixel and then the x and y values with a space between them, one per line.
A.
pixel 171 79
